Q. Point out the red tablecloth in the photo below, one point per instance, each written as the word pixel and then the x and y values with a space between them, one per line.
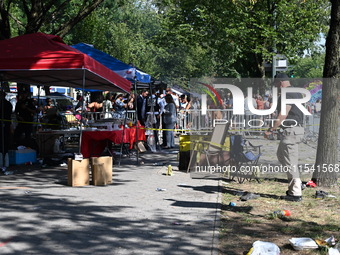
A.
pixel 94 142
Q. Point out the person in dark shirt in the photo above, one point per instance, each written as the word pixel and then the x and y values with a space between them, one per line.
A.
pixel 291 135
pixel 5 124
pixel 141 106
pixel 24 110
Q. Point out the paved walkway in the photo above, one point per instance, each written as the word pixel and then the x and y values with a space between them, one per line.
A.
pixel 40 214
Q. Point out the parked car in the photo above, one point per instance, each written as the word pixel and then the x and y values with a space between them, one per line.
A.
pixel 61 102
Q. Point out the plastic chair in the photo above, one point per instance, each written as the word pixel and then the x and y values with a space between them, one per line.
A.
pixel 207 150
pixel 244 157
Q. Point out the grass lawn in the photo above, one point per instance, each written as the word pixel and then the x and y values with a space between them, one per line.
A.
pixel 253 220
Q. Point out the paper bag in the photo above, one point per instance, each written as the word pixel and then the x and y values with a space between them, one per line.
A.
pixel 106 168
pixel 78 172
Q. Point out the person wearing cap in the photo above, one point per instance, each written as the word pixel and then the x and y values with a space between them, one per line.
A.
pixel 292 134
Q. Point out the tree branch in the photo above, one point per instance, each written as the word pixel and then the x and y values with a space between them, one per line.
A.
pixel 17 21
pixel 27 11
pixel 65 28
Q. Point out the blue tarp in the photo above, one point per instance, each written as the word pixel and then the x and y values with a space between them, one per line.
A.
pixel 124 70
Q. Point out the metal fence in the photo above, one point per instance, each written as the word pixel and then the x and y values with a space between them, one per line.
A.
pixel 192 121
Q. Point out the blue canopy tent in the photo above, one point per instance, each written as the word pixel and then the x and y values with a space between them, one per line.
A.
pixel 124 70
pixel 137 77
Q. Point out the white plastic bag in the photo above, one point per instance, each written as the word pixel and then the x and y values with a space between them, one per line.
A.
pixel 303 243
pixel 264 248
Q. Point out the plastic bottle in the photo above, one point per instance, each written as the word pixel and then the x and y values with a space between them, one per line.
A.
pixel 169 171
pixel 282 213
pixel 56 146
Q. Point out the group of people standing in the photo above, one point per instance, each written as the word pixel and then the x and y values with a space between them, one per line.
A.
pixel 111 105
pixel 160 111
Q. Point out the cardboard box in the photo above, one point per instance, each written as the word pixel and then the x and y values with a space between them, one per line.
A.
pixel 19 157
pixel 78 172
pixel 99 177
pixel 106 168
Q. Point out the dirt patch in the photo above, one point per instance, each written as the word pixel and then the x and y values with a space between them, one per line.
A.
pixel 252 220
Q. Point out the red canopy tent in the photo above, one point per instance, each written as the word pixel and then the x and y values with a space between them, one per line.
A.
pixel 41 59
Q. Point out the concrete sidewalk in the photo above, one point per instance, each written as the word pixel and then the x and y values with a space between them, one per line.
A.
pixel 40 214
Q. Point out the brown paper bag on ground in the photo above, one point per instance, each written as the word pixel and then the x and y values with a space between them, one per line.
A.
pixel 106 168
pixel 99 177
pixel 78 172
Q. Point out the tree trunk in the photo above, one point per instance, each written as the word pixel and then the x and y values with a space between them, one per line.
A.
pixel 38 13
pixel 327 164
pixel 5 29
pixel 262 74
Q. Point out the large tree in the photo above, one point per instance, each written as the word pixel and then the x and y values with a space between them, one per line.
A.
pixel 50 16
pixel 136 32
pixel 246 34
pixel 327 162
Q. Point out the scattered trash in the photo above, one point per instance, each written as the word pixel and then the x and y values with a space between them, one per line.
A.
pixel 158 164
pixel 183 185
pixel 311 184
pixel 331 241
pixel 331 196
pixel 321 243
pixel 27 192
pixel 232 204
pixel 239 193
pixel 303 243
pixel 267 248
pixel 176 223
pixel 8 172
pixel 160 189
pixel 334 250
pixel 282 213
pixel 320 194
pixel 63 164
pixel 29 163
pixel 169 236
pixel 248 196
pixel 169 171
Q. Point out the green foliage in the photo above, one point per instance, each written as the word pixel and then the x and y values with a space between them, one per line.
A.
pixel 244 34
pixel 49 16
pixel 309 66
pixel 176 40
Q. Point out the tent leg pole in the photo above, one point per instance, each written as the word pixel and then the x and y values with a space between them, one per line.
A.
pixel 2 125
pixel 122 144
pixel 82 114
pixel 136 120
